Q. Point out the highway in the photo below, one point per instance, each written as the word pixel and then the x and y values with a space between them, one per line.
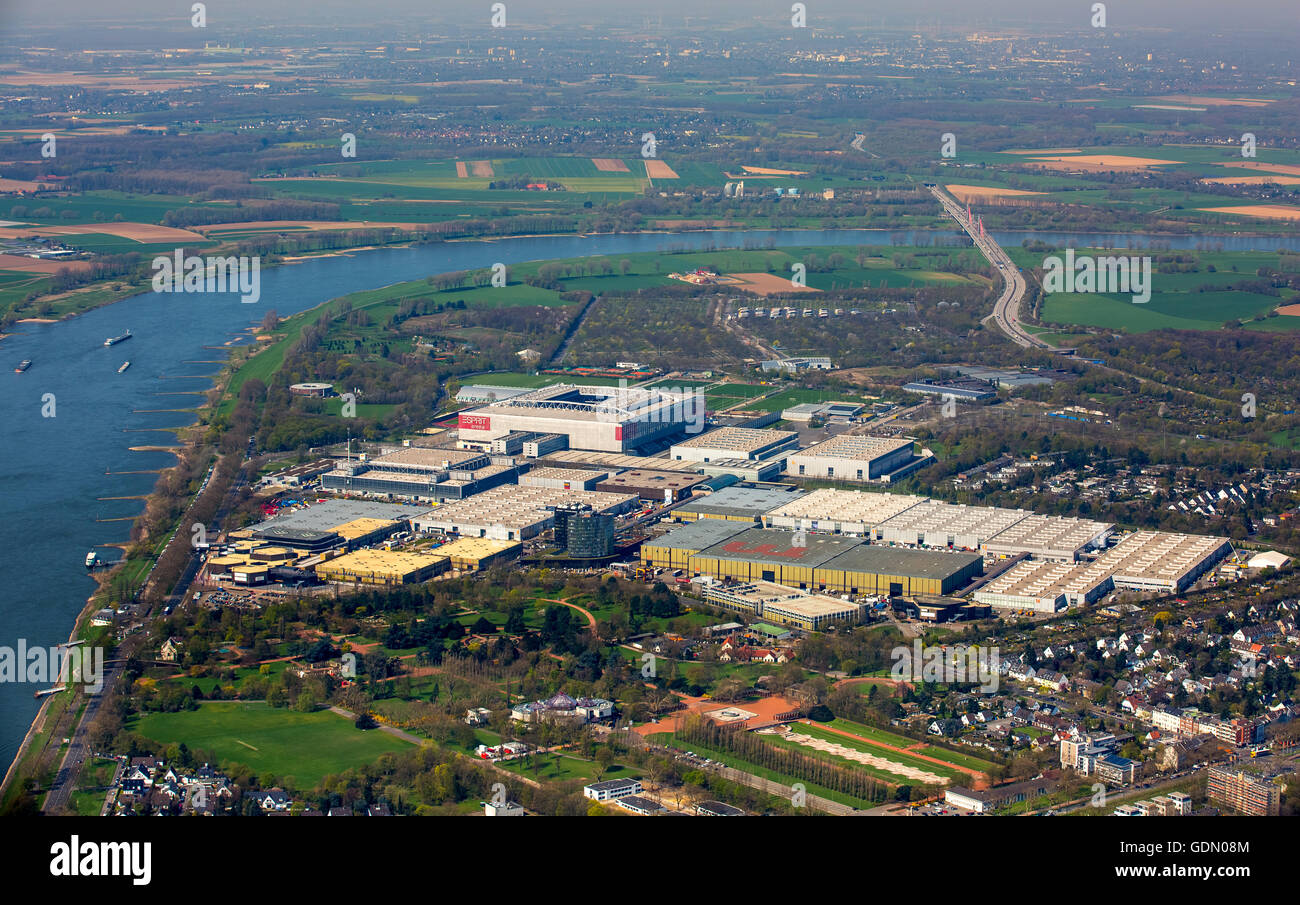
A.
pixel 1006 313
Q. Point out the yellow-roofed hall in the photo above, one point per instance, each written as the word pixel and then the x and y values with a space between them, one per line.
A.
pixel 470 553
pixel 386 567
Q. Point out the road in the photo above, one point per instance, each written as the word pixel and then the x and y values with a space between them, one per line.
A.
pixel 1006 313
pixel 65 781
pixel 59 797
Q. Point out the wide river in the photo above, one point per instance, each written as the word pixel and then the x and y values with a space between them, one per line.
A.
pixel 67 483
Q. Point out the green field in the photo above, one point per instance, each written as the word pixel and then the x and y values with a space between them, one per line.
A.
pixel 564 767
pixel 789 398
pixel 1166 310
pixel 1195 294
pixel 298 748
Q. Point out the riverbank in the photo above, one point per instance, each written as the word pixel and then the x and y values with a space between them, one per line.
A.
pixel 59 715
pixel 1107 239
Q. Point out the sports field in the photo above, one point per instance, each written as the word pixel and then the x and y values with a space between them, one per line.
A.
pixel 880 736
pixel 302 747
pixel 887 765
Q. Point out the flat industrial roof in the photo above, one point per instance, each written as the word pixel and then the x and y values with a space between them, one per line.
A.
pixel 786 599
pixel 329 515
pixel 477 547
pixel 302 535
pixel 698 535
pixel 640 479
pixel 425 457
pixel 1040 533
pixel 1159 555
pixel 618 460
pixel 897 561
pixel 937 517
pixel 737 439
pixel 855 506
pixel 564 474
pixel 360 527
pixel 382 561
pixel 769 545
pixel 741 501
pixel 1037 579
pixel 511 498
pixel 855 446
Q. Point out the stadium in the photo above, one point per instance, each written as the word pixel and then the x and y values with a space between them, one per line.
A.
pixel 607 419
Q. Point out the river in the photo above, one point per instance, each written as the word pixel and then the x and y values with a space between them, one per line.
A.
pixel 60 471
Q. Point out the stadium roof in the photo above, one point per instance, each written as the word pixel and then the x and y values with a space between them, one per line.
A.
pixel 589 403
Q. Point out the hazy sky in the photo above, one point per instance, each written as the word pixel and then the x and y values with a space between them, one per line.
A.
pixel 1196 16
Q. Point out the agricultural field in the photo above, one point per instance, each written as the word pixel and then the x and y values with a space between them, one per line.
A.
pixel 1206 291
pixel 461 180
pixel 1166 310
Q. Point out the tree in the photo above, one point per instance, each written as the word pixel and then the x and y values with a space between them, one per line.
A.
pixel 730 689
pixel 604 760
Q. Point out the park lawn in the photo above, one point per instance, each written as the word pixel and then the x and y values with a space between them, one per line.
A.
pixel 481 737
pixel 242 673
pixel 564 767
pixel 88 804
pixel 301 749
pixel 97 773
